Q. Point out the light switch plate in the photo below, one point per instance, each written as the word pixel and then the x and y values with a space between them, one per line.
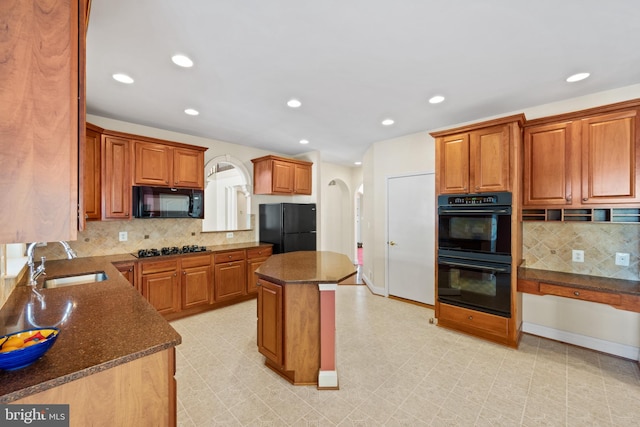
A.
pixel 229 235
pixel 122 236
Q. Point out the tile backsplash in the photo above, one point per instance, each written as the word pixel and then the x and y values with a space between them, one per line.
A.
pixel 548 246
pixel 101 237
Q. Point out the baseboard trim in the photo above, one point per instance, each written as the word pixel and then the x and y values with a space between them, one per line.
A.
pixel 372 288
pixel 616 349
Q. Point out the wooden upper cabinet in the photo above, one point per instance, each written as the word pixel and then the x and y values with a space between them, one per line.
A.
pixel 116 178
pixel 477 158
pixel 153 164
pixel 188 168
pixel 610 163
pixel 163 165
pixel 91 179
pixel 489 156
pixel 42 123
pixel 547 165
pixel 279 175
pixel 453 163
pixel 583 159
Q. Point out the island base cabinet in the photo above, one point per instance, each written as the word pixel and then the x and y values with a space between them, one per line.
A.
pixel 289 330
pixel 138 393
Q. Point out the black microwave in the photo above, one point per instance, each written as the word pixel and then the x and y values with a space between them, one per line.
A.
pixel 163 202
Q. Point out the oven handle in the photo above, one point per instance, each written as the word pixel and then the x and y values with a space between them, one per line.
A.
pixel 506 211
pixel 480 267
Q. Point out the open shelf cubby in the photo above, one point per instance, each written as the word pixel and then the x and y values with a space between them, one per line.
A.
pixel 600 215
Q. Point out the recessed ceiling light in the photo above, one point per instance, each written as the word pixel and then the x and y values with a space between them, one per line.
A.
pixel 357 163
pixel 182 61
pixel 577 77
pixel 304 141
pixel 123 78
pixel 191 112
pixel 388 122
pixel 436 99
pixel 294 103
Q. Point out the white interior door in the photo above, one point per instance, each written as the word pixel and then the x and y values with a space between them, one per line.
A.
pixel 411 237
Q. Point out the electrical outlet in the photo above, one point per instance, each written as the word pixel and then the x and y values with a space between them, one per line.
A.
pixel 577 256
pixel 229 235
pixel 622 259
pixel 122 236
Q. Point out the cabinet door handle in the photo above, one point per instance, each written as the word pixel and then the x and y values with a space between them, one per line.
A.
pixel 184 273
pixel 576 293
pixel 585 199
pixel 470 317
pixel 175 274
pixel 568 198
pixel 477 188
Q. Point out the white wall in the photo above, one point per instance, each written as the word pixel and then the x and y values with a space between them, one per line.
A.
pixel 587 324
pixel 407 154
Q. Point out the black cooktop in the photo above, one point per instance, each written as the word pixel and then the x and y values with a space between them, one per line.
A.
pixel 174 250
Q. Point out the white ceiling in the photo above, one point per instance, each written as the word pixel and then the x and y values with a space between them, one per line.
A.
pixel 352 63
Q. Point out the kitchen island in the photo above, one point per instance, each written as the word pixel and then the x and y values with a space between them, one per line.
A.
pixel 296 315
pixel 114 360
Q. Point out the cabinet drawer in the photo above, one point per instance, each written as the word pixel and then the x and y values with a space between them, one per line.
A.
pixel 196 261
pixel 148 267
pixel 228 257
pixel 259 252
pixel 474 319
pixel 583 294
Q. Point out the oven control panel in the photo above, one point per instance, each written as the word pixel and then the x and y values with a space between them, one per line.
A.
pixel 475 200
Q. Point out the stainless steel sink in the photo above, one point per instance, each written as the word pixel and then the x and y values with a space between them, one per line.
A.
pixel 75 280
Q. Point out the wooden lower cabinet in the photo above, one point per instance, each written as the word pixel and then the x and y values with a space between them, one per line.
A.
pixel 489 326
pixel 128 270
pixel 289 330
pixel 270 320
pixel 159 285
pixel 229 275
pixel 255 258
pixel 138 393
pixel 196 283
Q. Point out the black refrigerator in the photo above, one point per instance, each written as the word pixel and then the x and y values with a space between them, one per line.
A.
pixel 289 227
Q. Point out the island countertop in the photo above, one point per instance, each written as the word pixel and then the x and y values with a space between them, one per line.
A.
pixel 306 267
pixel 102 325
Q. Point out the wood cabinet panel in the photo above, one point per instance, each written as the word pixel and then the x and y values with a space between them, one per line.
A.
pixel 228 257
pixel 477 160
pixel 279 175
pixel 188 168
pixel 453 164
pixel 586 161
pixel 489 159
pixel 583 294
pixel 610 163
pixel 128 270
pixel 470 320
pixel 255 258
pixel 42 124
pixel 547 165
pixel 159 285
pixel 143 391
pixel 196 281
pixel 116 178
pixel 270 318
pixel 153 164
pixel 91 181
pixel 229 280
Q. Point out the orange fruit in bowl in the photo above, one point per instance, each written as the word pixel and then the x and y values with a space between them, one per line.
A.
pixel 13 342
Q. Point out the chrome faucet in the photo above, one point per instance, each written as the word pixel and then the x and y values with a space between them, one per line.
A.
pixel 35 272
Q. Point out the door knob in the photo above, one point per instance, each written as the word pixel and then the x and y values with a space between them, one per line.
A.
pixel 392 243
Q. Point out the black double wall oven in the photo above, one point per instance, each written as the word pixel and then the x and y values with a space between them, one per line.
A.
pixel 474 252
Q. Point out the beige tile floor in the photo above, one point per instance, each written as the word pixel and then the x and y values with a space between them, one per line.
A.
pixel 395 369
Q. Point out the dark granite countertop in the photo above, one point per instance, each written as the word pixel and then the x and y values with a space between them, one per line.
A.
pixel 306 267
pixel 106 324
pixel 582 281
